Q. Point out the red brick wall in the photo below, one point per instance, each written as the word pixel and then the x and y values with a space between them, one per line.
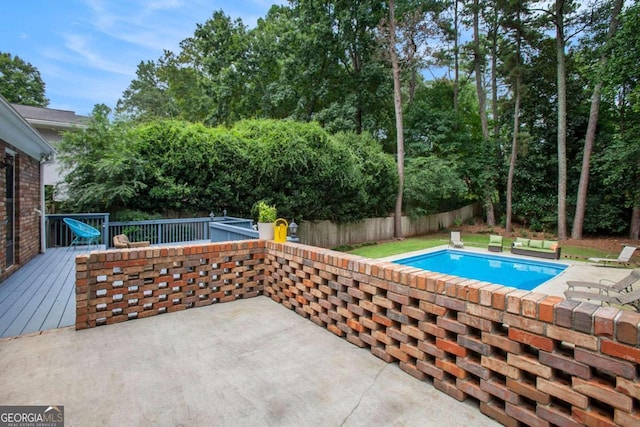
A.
pixel 120 285
pixel 526 358
pixel 3 213
pixel 27 200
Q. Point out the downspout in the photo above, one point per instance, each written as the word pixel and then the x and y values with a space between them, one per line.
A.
pixel 44 159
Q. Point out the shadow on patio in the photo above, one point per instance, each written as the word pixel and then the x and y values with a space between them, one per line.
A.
pixel 251 362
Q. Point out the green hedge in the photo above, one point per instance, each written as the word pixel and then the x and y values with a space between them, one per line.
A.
pixel 307 173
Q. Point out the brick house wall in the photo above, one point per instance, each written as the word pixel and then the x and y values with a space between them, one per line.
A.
pixel 27 199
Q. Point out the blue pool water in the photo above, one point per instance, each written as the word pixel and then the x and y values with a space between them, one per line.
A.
pixel 518 273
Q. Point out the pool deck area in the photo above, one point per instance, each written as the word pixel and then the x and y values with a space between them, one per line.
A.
pixel 576 270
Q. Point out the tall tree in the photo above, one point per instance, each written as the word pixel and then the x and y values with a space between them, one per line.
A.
pixel 622 78
pixel 493 33
pixel 20 82
pixel 218 49
pixel 148 95
pixel 456 53
pixel 478 68
pixel 513 22
pixel 205 81
pixel 559 16
pixel 397 103
pixel 560 9
pixel 516 87
pixel 581 202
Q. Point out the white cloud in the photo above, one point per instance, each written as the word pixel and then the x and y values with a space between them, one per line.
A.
pixel 87 91
pixel 89 56
pixel 163 5
pixel 145 24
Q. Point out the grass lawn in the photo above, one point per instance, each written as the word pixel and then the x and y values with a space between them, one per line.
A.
pixel 395 247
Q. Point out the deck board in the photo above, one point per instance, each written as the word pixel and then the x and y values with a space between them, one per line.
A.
pixel 65 298
pixel 52 285
pixel 41 294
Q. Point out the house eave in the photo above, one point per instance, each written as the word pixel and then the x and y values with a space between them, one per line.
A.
pixel 49 124
pixel 16 131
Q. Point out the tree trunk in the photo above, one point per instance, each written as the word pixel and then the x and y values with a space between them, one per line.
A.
pixel 478 60
pixel 456 57
pixel 634 230
pixel 397 102
pixel 583 185
pixel 581 202
pixel 514 150
pixel 494 96
pixel 562 122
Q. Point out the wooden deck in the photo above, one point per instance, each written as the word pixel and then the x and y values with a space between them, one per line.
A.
pixel 41 294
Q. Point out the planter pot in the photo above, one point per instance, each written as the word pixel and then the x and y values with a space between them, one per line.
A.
pixel 265 230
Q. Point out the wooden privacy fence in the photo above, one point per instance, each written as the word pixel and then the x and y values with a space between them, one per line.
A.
pixel 329 234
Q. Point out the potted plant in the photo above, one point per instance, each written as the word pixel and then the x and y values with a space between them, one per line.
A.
pixel 266 217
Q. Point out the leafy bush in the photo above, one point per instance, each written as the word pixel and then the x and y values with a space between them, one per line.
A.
pixel 379 172
pixel 431 185
pixel 265 212
pixel 310 174
pixel 133 215
pixel 186 167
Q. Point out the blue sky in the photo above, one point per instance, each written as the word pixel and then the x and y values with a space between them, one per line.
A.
pixel 87 51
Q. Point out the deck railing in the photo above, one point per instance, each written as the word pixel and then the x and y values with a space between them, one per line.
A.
pixel 165 231
pixel 59 234
pixel 230 231
pixel 162 231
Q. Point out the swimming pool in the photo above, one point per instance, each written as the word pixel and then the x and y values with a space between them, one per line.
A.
pixel 508 271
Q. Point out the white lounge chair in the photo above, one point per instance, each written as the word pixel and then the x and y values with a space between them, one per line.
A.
pixel 456 240
pixel 631 299
pixel 616 293
pixel 623 285
pixel 623 258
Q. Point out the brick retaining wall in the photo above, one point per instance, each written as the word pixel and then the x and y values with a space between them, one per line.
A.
pixel 119 285
pixel 527 358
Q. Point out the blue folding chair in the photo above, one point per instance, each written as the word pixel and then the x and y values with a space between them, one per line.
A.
pixel 84 234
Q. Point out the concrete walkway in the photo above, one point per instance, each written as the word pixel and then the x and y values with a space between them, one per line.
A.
pixel 249 362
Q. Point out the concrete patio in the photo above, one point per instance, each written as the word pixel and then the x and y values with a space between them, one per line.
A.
pixel 250 362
